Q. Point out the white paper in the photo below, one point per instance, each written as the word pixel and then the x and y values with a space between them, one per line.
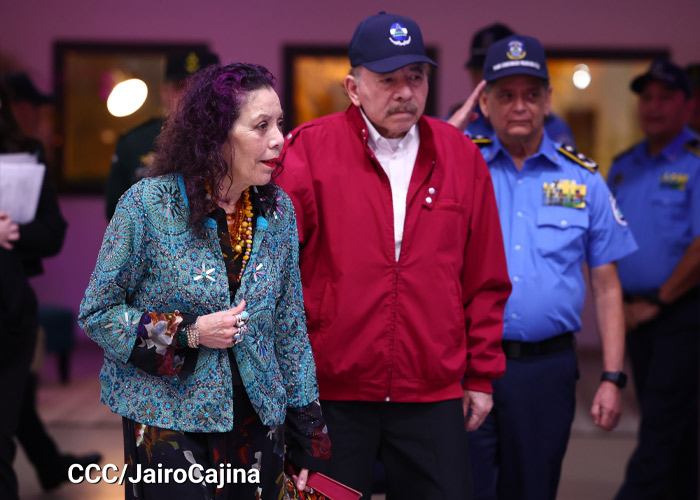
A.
pixel 18 158
pixel 21 178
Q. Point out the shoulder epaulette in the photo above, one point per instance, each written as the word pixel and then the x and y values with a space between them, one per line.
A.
pixel 578 158
pixel 481 141
pixel 693 146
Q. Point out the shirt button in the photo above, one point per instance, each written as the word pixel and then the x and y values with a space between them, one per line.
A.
pixel 428 200
pixel 387 398
pixel 514 316
pixel 564 222
pixel 516 278
pixel 517 247
pixel 364 131
pixel 289 136
pixel 520 181
pixel 431 190
pixel 519 213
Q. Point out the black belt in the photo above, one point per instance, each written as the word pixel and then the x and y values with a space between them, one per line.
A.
pixel 653 297
pixel 514 349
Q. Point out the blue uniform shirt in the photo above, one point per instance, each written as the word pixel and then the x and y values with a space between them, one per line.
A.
pixel 556 128
pixel 660 197
pixel 555 215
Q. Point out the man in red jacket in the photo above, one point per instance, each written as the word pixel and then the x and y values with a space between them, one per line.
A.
pixel 403 269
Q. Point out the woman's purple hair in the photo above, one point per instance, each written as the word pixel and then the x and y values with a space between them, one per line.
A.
pixel 191 142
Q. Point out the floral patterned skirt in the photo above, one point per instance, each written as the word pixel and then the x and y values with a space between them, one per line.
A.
pixel 245 463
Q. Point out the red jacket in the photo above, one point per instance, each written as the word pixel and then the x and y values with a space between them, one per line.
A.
pixel 406 331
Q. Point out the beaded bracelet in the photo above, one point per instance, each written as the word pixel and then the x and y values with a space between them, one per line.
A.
pixel 193 334
pixel 181 339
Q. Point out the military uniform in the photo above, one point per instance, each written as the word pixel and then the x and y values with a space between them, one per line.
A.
pixel 660 196
pixel 133 153
pixel 556 214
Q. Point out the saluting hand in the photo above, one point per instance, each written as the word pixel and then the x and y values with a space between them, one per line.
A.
pixel 466 114
pixel 217 330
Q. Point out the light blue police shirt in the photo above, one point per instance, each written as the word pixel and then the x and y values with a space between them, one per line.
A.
pixel 660 197
pixel 555 215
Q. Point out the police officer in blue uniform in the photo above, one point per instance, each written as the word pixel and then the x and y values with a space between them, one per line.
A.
pixel 135 147
pixel 657 185
pixel 556 214
pixel 554 126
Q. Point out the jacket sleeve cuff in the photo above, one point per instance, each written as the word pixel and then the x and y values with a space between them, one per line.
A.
pixel 478 384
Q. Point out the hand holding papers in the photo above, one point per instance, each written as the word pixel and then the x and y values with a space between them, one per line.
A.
pixel 21 178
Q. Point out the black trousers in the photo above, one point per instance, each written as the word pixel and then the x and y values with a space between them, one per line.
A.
pixel 14 370
pixel 40 448
pixel 19 323
pixel 664 357
pixel 423 447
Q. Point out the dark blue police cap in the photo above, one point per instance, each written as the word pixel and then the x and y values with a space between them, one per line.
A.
pixel 386 42
pixel 21 89
pixel 180 65
pixel 515 55
pixel 693 72
pixel 663 71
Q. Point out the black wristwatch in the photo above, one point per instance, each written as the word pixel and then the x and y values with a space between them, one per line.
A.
pixel 617 378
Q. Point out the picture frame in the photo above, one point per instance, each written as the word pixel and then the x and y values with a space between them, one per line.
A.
pixel 85 132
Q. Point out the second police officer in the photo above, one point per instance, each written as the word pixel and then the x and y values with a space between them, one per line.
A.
pixel 556 214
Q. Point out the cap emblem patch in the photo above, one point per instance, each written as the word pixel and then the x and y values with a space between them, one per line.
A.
pixel 192 63
pixel 399 35
pixel 515 50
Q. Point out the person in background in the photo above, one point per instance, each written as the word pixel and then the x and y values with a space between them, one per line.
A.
pixel 693 72
pixel 557 214
pixel 657 185
pixel 197 302
pixel 403 270
pixel 43 237
pixel 472 119
pixel 134 151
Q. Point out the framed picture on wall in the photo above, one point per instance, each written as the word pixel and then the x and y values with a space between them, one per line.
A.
pixel 313 82
pixel 85 75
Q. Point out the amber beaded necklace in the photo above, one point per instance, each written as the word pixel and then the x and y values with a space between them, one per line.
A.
pixel 240 229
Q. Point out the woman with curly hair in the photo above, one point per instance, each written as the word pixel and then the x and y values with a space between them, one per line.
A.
pixel 197 302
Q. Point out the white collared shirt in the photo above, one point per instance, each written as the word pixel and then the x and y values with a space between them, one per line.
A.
pixel 397 157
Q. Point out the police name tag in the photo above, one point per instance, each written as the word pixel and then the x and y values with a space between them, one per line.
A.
pixel 673 180
pixel 564 193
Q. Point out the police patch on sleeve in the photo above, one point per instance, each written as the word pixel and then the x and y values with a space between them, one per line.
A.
pixel 617 212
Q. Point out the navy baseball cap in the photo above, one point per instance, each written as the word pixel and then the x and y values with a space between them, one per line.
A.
pixel 180 65
pixel 386 42
pixel 515 55
pixel 483 39
pixel 693 72
pixel 663 71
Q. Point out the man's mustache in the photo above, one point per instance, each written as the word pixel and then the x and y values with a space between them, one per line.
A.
pixel 403 108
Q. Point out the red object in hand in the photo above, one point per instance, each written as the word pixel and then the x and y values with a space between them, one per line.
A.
pixel 331 488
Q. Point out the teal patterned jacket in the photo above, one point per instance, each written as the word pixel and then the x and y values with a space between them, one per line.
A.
pixel 150 261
